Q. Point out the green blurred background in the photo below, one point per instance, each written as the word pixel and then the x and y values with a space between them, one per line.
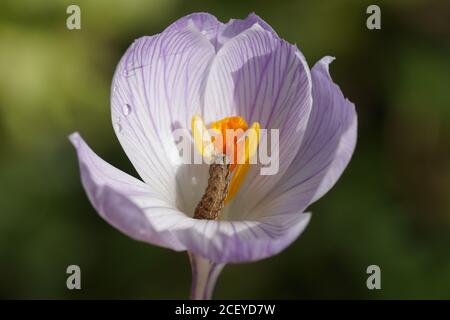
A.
pixel 391 207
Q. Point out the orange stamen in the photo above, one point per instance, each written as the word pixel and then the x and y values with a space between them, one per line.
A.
pixel 232 138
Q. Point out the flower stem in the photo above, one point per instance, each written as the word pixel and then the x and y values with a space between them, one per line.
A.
pixel 204 277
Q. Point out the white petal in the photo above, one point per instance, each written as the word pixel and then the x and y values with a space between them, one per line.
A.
pixel 157 88
pixel 264 79
pixel 328 145
pixel 126 202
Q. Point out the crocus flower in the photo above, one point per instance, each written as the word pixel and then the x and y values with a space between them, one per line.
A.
pixel 238 74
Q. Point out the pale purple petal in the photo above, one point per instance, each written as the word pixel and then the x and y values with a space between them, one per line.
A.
pixel 243 241
pixel 328 145
pixel 237 26
pixel 206 23
pixel 264 79
pixel 122 200
pixel 216 32
pixel 157 88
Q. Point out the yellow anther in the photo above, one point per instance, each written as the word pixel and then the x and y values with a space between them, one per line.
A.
pixel 251 141
pixel 202 138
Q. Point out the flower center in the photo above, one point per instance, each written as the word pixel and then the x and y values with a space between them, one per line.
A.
pixel 228 145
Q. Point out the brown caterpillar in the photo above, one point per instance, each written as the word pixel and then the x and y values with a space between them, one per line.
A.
pixel 213 199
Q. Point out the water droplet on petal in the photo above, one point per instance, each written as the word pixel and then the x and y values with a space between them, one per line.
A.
pixel 114 88
pixel 118 127
pixel 126 109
